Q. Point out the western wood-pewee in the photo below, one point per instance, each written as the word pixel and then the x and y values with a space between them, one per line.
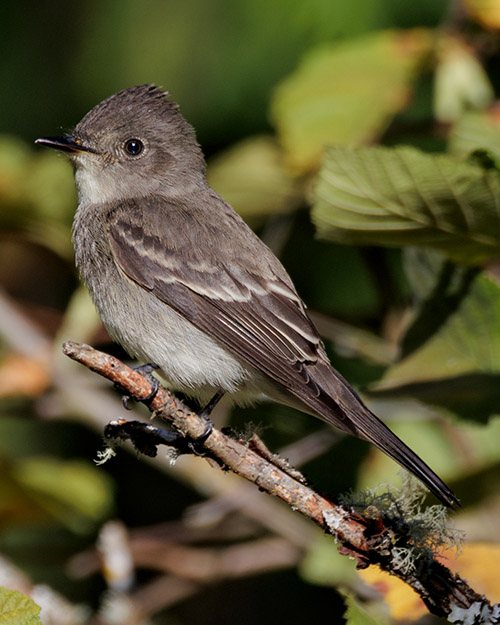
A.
pixel 181 281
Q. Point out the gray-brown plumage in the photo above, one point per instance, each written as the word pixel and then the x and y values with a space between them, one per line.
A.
pixel 181 281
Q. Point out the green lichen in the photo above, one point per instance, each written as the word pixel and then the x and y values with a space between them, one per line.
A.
pixel 420 534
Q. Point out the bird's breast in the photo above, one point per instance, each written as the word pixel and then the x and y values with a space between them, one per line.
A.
pixel 145 326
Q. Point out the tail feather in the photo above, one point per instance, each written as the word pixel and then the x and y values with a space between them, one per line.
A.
pixel 371 428
pixel 336 402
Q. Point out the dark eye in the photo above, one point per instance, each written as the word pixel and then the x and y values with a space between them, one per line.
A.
pixel 133 147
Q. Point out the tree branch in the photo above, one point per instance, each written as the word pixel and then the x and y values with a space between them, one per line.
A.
pixel 370 538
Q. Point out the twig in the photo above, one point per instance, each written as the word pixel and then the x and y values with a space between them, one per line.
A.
pixel 370 539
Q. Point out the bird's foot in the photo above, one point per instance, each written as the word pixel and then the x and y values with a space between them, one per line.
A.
pixel 146 437
pixel 147 371
pixel 196 445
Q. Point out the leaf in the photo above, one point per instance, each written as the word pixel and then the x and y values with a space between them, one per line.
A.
pixel 351 341
pixel 477 131
pixel 473 396
pixel 461 82
pixel 17 609
pixel 467 447
pixel 357 614
pixel 36 185
pixel 37 194
pixel 419 426
pixel 439 289
pixel 81 320
pixel 323 564
pixel 404 603
pixel 75 493
pixel 346 92
pixel 476 562
pixel 252 178
pixel 402 196
pixel 456 363
pixel 486 12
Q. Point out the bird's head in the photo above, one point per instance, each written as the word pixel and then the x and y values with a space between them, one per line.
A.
pixel 132 144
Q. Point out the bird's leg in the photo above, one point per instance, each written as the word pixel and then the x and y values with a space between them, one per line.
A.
pixel 145 370
pixel 204 413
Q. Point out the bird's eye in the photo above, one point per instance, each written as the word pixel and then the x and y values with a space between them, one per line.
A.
pixel 133 147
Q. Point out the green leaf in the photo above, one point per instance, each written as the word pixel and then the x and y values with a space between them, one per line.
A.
pixel 346 92
pixel 476 131
pixel 353 342
pixel 439 288
pixel 402 196
pixel 323 565
pixel 356 614
pixel 37 194
pixel 74 492
pixel 457 362
pixel 36 185
pixel 252 178
pixel 473 396
pixel 17 609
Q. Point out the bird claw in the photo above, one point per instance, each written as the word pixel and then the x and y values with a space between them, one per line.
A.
pixel 146 371
pixel 146 437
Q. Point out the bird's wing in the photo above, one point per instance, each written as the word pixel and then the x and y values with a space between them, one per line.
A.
pixel 217 274
pixel 229 286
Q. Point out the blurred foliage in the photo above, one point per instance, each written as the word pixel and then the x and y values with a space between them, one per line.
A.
pixel 303 109
pixel 37 195
pixel 346 92
pixel 477 131
pixel 460 81
pixel 358 614
pixel 454 338
pixel 486 12
pixel 251 175
pixel 475 563
pixel 17 609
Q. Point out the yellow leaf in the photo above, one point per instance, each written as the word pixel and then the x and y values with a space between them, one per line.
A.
pixel 486 12
pixel 404 603
pixel 478 563
pixel 18 609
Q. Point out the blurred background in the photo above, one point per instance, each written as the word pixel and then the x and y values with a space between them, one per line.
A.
pixel 267 85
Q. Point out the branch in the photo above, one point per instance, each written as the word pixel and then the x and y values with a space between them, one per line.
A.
pixel 370 538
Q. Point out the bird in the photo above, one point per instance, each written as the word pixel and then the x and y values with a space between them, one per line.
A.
pixel 182 282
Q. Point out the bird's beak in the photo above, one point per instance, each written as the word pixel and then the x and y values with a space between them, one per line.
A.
pixel 66 144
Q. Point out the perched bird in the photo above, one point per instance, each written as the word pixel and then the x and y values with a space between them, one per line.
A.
pixel 182 282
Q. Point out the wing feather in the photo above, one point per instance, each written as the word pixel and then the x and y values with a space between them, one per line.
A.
pixel 264 323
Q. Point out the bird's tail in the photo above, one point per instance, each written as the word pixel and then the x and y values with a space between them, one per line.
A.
pixel 336 402
pixel 372 429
